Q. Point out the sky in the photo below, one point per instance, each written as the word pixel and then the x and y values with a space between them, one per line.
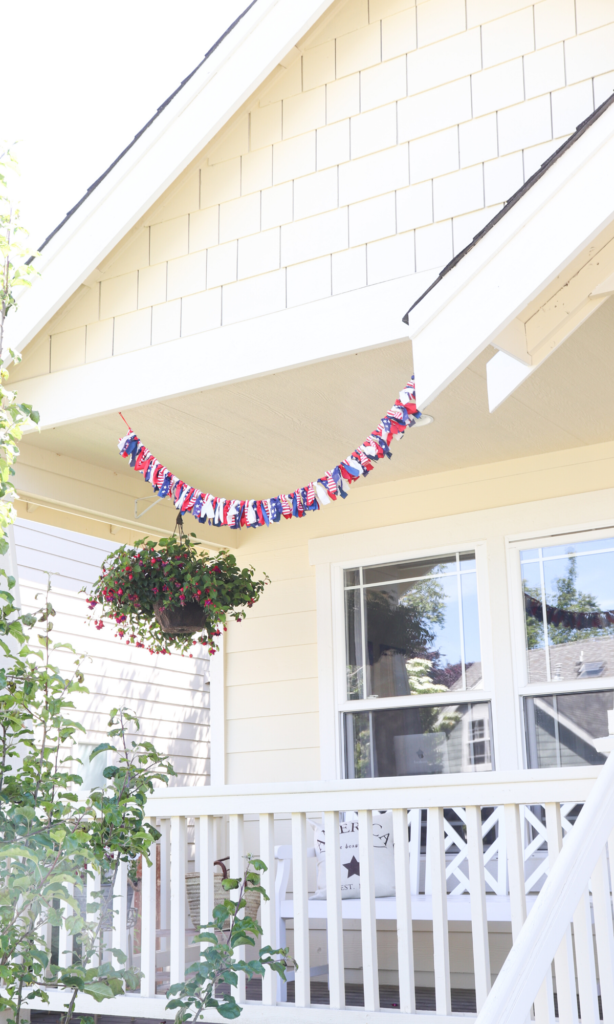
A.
pixel 86 76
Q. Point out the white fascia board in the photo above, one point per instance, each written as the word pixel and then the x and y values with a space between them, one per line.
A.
pixel 367 318
pixel 548 227
pixel 198 112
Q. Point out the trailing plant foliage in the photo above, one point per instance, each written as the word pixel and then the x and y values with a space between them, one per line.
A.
pixel 52 838
pixel 171 573
pixel 217 965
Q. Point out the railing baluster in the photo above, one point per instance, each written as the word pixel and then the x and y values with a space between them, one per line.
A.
pixel 120 911
pixel 148 923
pixel 178 899
pixel 403 888
pixel 564 967
pixel 585 961
pixel 93 885
pixel 268 909
pixel 206 856
pixel 165 888
pixel 302 978
pixel 479 921
pixel 237 867
pixel 515 867
pixel 441 946
pixel 370 969
pixel 65 949
pixel 604 936
pixel 544 1001
pixel 336 972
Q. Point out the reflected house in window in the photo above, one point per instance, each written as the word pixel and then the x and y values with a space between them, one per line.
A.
pixel 412 629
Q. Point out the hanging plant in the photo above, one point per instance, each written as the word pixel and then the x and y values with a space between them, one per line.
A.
pixel 168 596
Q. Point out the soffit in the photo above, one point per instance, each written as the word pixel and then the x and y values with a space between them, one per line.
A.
pixel 274 433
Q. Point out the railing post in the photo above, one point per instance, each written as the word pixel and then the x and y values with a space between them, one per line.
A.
pixel 178 899
pixel 237 866
pixel 206 857
pixel 302 977
pixel 515 868
pixel 92 885
pixel 370 969
pixel 479 921
pixel 148 922
pixel 65 950
pixel 441 946
pixel 564 966
pixel 405 937
pixel 585 960
pixel 120 910
pixel 604 937
pixel 336 972
pixel 268 908
pixel 165 888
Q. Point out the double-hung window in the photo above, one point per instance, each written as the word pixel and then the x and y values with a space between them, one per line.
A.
pixel 413 669
pixel 568 612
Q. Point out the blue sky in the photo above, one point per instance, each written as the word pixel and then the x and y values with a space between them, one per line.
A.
pixel 85 77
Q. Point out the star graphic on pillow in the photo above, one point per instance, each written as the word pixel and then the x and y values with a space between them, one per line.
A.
pixel 353 868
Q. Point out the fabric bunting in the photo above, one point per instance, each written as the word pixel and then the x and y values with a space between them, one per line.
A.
pixel 235 513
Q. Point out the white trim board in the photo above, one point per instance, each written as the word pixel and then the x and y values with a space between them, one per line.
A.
pixel 481 300
pixel 351 322
pixel 196 114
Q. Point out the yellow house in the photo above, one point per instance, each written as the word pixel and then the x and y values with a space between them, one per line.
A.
pixel 340 196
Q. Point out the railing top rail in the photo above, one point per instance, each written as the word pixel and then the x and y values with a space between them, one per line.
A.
pixel 483 789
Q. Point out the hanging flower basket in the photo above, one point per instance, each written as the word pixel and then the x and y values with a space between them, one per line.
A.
pixel 170 595
pixel 186 620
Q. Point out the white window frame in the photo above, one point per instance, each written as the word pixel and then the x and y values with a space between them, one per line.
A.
pixel 524 688
pixel 479 694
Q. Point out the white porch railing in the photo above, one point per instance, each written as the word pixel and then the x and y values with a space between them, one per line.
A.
pixel 470 853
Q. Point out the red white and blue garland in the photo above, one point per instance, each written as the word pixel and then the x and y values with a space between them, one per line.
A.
pixel 235 513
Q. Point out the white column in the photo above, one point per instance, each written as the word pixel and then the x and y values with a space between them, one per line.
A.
pixel 217 716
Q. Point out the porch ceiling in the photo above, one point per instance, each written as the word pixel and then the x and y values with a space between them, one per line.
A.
pixel 270 434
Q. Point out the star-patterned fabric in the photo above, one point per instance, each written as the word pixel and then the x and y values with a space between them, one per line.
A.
pixel 383 857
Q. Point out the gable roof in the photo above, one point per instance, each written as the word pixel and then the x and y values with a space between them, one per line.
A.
pixel 142 131
pixel 233 69
pixel 543 265
pixel 516 197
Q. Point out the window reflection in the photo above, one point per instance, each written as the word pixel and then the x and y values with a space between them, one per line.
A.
pixel 562 728
pixel 433 740
pixel 413 628
pixel 569 611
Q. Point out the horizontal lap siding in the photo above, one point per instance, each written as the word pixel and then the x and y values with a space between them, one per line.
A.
pixel 271 677
pixel 169 695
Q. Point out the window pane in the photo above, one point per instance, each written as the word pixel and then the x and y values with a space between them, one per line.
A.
pixel 471 631
pixel 358 746
pixel 580 548
pixel 413 637
pixel 529 555
pixel 351 577
pixel 353 645
pixel 579 594
pixel 467 561
pixel 534 622
pixel 561 729
pixel 424 740
pixel 409 570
